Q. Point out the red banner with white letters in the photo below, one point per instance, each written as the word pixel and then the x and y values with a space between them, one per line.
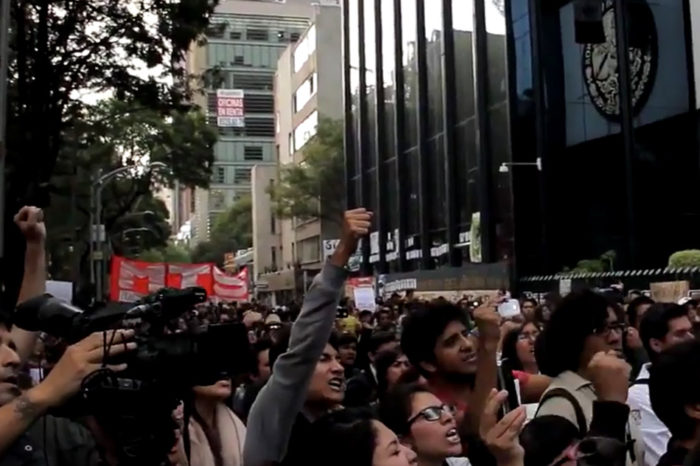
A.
pixel 131 280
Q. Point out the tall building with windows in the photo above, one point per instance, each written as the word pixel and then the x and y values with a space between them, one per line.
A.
pixel 236 62
pixel 307 90
pixel 495 142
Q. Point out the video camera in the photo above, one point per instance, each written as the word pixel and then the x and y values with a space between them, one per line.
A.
pixel 134 407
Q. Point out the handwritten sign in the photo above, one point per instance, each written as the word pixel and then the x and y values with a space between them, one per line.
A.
pixel 365 299
pixel 669 292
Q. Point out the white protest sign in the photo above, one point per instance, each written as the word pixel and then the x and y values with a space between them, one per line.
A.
pixel 364 298
pixel 60 290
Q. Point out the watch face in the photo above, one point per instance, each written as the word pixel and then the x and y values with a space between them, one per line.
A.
pixel 600 61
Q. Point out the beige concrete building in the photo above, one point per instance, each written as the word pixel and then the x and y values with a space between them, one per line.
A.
pixel 307 87
pixel 239 55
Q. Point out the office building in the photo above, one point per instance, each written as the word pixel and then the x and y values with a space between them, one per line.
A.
pixel 307 89
pixel 237 61
pixel 501 139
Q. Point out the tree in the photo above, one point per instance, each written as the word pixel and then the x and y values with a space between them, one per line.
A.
pixel 110 135
pixel 687 258
pixel 171 254
pixel 604 263
pixel 62 48
pixel 232 231
pixel 315 187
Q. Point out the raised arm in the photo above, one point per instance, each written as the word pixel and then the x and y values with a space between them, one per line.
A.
pixel 487 320
pixel 30 221
pixel 274 411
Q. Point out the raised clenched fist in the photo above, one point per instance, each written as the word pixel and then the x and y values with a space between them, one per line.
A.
pixel 356 223
pixel 30 221
pixel 610 376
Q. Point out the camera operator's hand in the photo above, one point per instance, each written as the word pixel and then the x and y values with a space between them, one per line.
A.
pixel 356 224
pixel 78 361
pixel 30 221
pixel 610 376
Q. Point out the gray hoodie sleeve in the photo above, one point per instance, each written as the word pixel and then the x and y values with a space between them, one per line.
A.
pixel 275 410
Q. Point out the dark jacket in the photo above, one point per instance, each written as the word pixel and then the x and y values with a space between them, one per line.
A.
pixel 53 441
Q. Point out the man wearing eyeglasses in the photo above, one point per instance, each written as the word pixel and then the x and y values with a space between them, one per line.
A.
pixel 662 326
pixel 585 324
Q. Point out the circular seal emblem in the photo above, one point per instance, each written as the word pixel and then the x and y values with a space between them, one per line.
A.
pixel 600 66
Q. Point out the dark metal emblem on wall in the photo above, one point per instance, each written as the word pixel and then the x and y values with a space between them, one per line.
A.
pixel 600 66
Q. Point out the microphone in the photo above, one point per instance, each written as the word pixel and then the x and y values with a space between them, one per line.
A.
pixel 46 313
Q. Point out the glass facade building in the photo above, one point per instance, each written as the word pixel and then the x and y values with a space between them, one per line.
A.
pixel 241 53
pixel 482 133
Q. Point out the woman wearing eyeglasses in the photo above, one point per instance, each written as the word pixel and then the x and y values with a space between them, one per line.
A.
pixel 519 352
pixel 519 348
pixel 425 424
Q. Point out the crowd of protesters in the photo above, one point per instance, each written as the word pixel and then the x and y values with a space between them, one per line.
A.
pixel 591 378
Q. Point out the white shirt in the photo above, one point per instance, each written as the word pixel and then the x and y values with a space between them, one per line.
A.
pixel 655 434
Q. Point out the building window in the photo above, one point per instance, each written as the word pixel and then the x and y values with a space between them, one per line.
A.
pixel 254 81
pixel 305 131
pixel 218 199
pixel 305 49
pixel 257 34
pixel 260 127
pixel 216 31
pixel 252 153
pixel 294 37
pixel 239 60
pixel 273 223
pixel 291 144
pixel 273 256
pixel 259 104
pixel 310 250
pixel 235 35
pixel 304 93
pixel 220 175
pixel 241 176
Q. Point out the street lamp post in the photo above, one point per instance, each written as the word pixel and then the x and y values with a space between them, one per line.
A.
pixel 505 166
pixel 97 230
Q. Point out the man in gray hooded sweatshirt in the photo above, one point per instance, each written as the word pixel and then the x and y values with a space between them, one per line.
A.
pixel 307 381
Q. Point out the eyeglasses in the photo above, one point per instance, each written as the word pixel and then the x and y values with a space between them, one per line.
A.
pixel 528 336
pixel 618 327
pixel 433 413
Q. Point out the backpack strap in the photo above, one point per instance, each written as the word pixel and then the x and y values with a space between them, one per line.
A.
pixel 562 393
pixel 640 382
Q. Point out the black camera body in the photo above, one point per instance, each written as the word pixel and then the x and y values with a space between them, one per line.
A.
pixel 134 407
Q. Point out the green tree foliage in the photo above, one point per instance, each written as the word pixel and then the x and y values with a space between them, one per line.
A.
pixel 315 187
pixel 604 263
pixel 67 47
pixel 171 254
pixel 63 48
pixel 109 136
pixel 232 231
pixel 687 258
